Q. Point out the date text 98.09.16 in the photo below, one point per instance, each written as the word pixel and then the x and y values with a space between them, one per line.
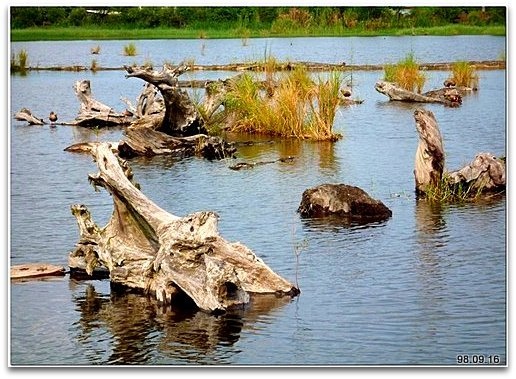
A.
pixel 478 359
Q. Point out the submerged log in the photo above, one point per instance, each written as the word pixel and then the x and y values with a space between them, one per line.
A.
pixel 342 200
pixel 448 96
pixel 93 113
pixel 26 115
pixel 36 270
pixel 146 248
pixel 246 165
pixel 486 173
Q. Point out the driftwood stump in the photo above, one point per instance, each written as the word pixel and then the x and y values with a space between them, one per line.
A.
pixel 447 96
pixel 429 161
pixel 181 117
pixel 93 113
pixel 146 248
pixel 486 173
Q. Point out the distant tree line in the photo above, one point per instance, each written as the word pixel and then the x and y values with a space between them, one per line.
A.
pixel 254 17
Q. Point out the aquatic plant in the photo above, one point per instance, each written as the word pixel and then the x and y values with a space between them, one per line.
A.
pixel 464 74
pixel 445 191
pixel 19 61
pixel 130 49
pixel 292 106
pixel 406 74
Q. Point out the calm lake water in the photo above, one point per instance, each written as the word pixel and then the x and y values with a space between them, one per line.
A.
pixel 419 289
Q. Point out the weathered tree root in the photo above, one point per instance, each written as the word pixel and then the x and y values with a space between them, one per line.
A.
pixel 144 247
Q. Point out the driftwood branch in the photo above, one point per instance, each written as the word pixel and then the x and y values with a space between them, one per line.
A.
pixel 486 173
pixel 447 96
pixel 144 247
pixel 26 115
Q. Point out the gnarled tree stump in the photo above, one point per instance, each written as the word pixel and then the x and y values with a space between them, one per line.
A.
pixel 181 117
pixel 144 247
pixel 486 173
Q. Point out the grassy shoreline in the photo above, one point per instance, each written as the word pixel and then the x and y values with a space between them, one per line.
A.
pixel 84 33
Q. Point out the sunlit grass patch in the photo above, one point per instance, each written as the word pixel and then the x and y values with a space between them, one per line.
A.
pixel 130 49
pixel 464 75
pixel 406 74
pixel 292 106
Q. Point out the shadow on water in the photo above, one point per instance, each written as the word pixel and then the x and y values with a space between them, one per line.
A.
pixel 140 328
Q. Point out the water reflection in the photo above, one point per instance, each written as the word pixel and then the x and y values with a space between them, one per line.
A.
pixel 336 223
pixel 139 328
pixel 82 134
pixel 431 238
pixel 254 148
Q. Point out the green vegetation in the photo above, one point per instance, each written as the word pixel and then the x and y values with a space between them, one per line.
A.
pixel 291 106
pixel 19 61
pixel 464 75
pixel 130 49
pixel 406 74
pixel 445 192
pixel 72 23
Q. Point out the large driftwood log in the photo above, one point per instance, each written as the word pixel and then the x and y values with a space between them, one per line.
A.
pixel 144 247
pixel 93 113
pixel 486 173
pixel 181 117
pixel 447 96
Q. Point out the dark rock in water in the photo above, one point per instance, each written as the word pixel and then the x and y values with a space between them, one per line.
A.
pixel 344 201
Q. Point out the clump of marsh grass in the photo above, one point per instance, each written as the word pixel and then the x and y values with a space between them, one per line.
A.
pixel 464 75
pixel 445 191
pixel 19 61
pixel 130 49
pixel 297 107
pixel 406 74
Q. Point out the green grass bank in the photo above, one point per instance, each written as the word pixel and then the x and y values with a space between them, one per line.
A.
pixel 101 33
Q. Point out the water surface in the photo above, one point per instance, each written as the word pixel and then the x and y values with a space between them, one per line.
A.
pixel 420 288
